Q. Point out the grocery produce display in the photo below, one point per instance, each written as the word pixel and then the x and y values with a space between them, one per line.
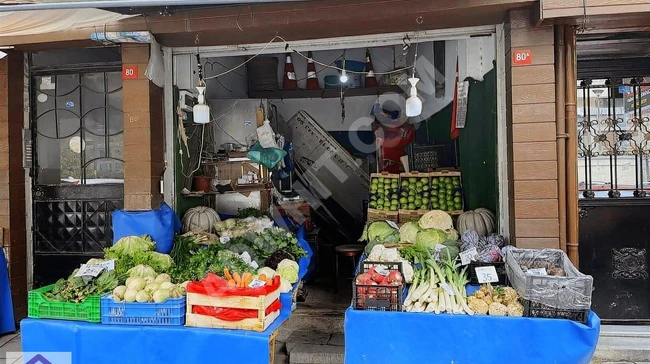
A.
pixel 446 193
pixel 384 192
pixel 145 285
pixel 496 301
pixel 415 191
pixel 77 289
pixel 437 276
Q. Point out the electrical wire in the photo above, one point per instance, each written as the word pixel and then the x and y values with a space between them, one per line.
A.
pixel 325 65
pixel 198 165
pixel 224 114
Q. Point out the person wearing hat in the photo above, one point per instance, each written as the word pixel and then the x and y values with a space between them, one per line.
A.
pixel 392 135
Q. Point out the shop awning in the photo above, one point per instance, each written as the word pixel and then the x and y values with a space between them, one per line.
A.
pixel 24 23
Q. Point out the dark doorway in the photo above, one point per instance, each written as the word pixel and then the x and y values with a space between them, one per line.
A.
pixel 78 169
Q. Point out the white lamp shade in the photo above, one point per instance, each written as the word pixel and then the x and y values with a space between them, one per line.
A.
pixel 413 103
pixel 201 113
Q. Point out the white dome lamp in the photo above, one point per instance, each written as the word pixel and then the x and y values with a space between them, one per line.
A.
pixel 413 103
pixel 201 110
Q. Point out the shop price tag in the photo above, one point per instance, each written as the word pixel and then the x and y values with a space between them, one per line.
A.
pixel 486 274
pixel 108 265
pixel 256 283
pixel 393 224
pixel 537 272
pixel 89 270
pixel 381 270
pixel 254 265
pixel 224 239
pixel 468 255
pixel 439 247
pixel 448 289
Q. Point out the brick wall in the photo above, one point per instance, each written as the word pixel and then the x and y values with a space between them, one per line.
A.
pixel 12 178
pixel 532 134
pixel 143 134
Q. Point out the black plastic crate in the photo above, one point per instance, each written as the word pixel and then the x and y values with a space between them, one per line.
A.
pixel 540 310
pixel 499 266
pixel 378 297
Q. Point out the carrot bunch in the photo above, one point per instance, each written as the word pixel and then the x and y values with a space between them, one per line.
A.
pixel 243 280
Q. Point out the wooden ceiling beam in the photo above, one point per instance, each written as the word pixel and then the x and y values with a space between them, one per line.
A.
pixel 319 19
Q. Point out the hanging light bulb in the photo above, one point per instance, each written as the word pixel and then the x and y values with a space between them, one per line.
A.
pixel 201 111
pixel 344 74
pixel 413 103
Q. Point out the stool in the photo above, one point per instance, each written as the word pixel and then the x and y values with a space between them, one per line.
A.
pixel 350 250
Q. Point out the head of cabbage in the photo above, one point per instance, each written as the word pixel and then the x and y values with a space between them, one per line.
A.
pixel 382 232
pixel 429 238
pixel 288 269
pixel 409 231
pixel 142 271
pixel 131 244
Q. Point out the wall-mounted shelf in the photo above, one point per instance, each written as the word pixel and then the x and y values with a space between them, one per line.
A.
pixel 325 93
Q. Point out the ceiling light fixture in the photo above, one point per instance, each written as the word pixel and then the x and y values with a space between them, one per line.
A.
pixel 201 111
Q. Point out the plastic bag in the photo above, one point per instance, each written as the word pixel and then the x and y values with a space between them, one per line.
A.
pixel 269 157
pixel 234 314
pixel 161 225
pixel 215 286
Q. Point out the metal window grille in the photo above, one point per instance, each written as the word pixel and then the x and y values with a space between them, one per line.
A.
pixel 613 138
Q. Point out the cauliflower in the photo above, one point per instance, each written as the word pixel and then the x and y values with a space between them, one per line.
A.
pixel 478 306
pixel 498 309
pixel 515 309
pixel 390 255
pixel 509 295
pixel 375 253
pixel 407 269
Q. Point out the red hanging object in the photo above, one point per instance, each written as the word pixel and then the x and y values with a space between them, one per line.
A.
pixel 455 133
pixel 289 82
pixel 312 80
pixel 371 80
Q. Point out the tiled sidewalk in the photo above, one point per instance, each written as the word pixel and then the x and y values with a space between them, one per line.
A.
pixel 9 343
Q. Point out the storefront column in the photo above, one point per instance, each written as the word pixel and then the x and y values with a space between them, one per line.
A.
pixel 143 132
pixel 12 178
pixel 530 84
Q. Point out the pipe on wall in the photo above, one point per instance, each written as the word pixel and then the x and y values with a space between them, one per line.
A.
pixel 560 99
pixel 571 144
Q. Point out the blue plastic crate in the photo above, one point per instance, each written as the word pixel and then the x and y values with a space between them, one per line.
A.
pixel 168 313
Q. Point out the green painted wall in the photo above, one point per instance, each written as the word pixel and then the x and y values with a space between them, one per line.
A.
pixel 477 142
pixel 182 203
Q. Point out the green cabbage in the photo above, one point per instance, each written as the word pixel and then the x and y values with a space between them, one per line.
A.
pixel 429 238
pixel 131 244
pixel 288 269
pixel 142 271
pixel 380 231
pixel 409 231
pixel 161 261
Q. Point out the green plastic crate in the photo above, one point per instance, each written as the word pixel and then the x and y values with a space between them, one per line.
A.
pixel 39 307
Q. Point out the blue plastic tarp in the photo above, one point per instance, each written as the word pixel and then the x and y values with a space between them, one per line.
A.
pixel 7 323
pixel 407 337
pixel 161 225
pixel 126 344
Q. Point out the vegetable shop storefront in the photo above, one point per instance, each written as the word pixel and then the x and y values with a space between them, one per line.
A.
pixel 121 128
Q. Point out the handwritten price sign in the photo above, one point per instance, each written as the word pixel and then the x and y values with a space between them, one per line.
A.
pixel 486 274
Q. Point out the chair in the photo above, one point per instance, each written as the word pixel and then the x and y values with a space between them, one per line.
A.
pixel 353 251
